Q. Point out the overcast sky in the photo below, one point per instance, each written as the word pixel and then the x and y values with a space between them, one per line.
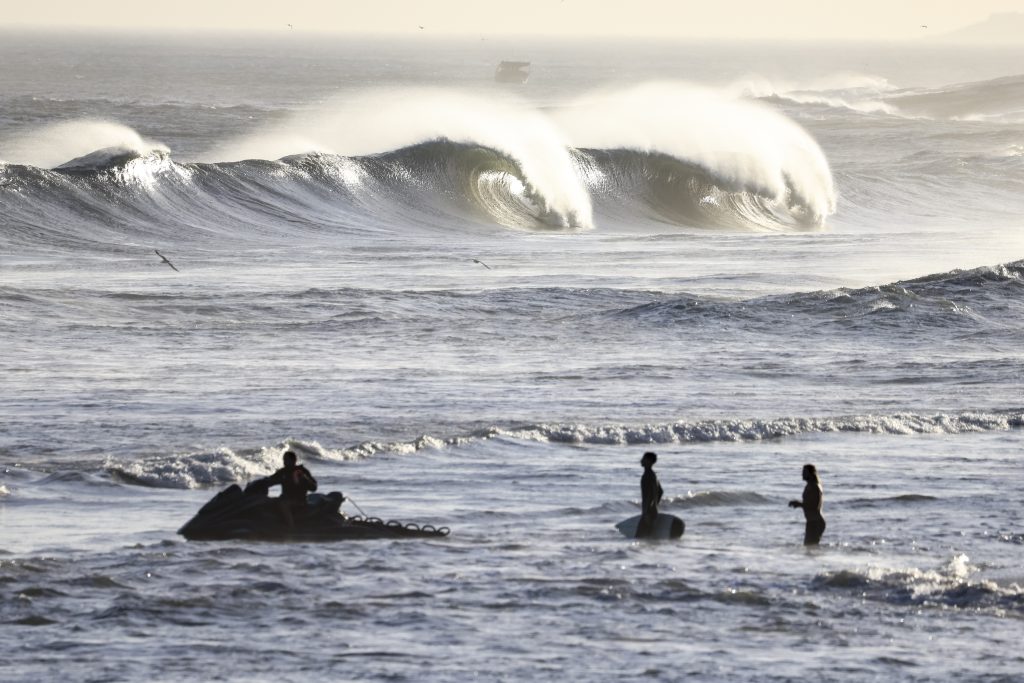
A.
pixel 742 19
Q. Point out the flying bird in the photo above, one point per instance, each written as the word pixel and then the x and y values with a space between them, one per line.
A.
pixel 164 259
pixel 482 263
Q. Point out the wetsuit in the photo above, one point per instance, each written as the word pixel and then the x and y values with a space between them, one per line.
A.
pixel 650 496
pixel 295 481
pixel 811 504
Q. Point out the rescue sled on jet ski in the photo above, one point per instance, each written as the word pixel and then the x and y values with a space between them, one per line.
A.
pixel 252 515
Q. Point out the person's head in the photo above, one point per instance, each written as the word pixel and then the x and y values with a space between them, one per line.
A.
pixel 290 458
pixel 649 459
pixel 810 473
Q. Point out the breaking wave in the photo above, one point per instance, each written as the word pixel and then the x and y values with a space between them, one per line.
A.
pixel 710 160
pixel 859 93
pixel 765 429
pixel 952 585
pixel 212 468
pixel 76 143
pixel 997 99
pixel 223 465
pixel 735 146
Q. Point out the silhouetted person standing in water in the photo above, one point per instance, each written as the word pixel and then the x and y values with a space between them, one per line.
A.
pixel 811 504
pixel 650 495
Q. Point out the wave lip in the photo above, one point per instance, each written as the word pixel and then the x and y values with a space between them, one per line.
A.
pixel 377 121
pixel 62 143
pixel 483 182
pixel 741 147
pixel 106 159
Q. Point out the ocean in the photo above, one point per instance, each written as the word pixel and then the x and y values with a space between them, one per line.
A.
pixel 476 304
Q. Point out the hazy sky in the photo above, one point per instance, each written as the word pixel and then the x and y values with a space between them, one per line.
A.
pixel 769 19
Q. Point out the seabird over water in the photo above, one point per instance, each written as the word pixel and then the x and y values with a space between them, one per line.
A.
pixel 164 259
pixel 482 263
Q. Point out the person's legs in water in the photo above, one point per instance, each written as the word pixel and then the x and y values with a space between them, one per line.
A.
pixel 813 531
pixel 646 525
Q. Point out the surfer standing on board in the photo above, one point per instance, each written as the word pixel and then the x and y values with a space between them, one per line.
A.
pixel 811 504
pixel 650 495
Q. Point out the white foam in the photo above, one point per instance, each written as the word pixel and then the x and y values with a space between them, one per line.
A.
pixel 746 143
pixel 221 466
pixel 52 145
pixel 382 120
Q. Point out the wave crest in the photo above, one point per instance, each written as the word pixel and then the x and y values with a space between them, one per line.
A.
pixel 212 468
pixel 742 144
pixel 56 144
pixel 223 465
pixel 673 190
pixel 484 181
pixel 375 121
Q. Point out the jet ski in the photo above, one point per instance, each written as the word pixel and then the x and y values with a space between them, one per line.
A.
pixel 252 515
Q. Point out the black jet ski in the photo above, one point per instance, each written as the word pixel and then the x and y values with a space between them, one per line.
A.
pixel 251 515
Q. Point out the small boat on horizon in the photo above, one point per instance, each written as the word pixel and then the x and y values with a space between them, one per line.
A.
pixel 512 72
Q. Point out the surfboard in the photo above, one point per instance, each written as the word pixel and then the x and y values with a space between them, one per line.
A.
pixel 665 527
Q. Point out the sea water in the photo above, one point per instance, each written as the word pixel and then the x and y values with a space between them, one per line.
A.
pixel 476 305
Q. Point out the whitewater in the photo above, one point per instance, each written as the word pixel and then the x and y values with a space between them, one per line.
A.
pixel 476 305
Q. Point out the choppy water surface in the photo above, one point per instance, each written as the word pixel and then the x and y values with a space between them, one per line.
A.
pixel 477 307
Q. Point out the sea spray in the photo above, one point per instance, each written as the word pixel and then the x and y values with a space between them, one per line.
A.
pixel 380 120
pixel 55 144
pixel 745 143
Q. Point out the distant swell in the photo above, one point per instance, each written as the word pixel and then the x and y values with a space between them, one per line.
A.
pixel 998 99
pixel 716 499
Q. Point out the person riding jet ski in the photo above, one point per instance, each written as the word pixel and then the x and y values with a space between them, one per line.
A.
pixel 295 482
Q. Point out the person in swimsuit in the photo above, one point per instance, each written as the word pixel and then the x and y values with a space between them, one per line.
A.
pixel 811 504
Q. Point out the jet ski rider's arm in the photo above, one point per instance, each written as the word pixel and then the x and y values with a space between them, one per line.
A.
pixel 262 486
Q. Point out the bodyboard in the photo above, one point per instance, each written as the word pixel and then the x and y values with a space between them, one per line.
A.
pixel 665 527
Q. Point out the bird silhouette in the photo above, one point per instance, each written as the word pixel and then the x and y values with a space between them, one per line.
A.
pixel 164 259
pixel 482 263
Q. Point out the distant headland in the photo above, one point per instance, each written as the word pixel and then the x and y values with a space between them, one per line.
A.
pixel 1001 28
